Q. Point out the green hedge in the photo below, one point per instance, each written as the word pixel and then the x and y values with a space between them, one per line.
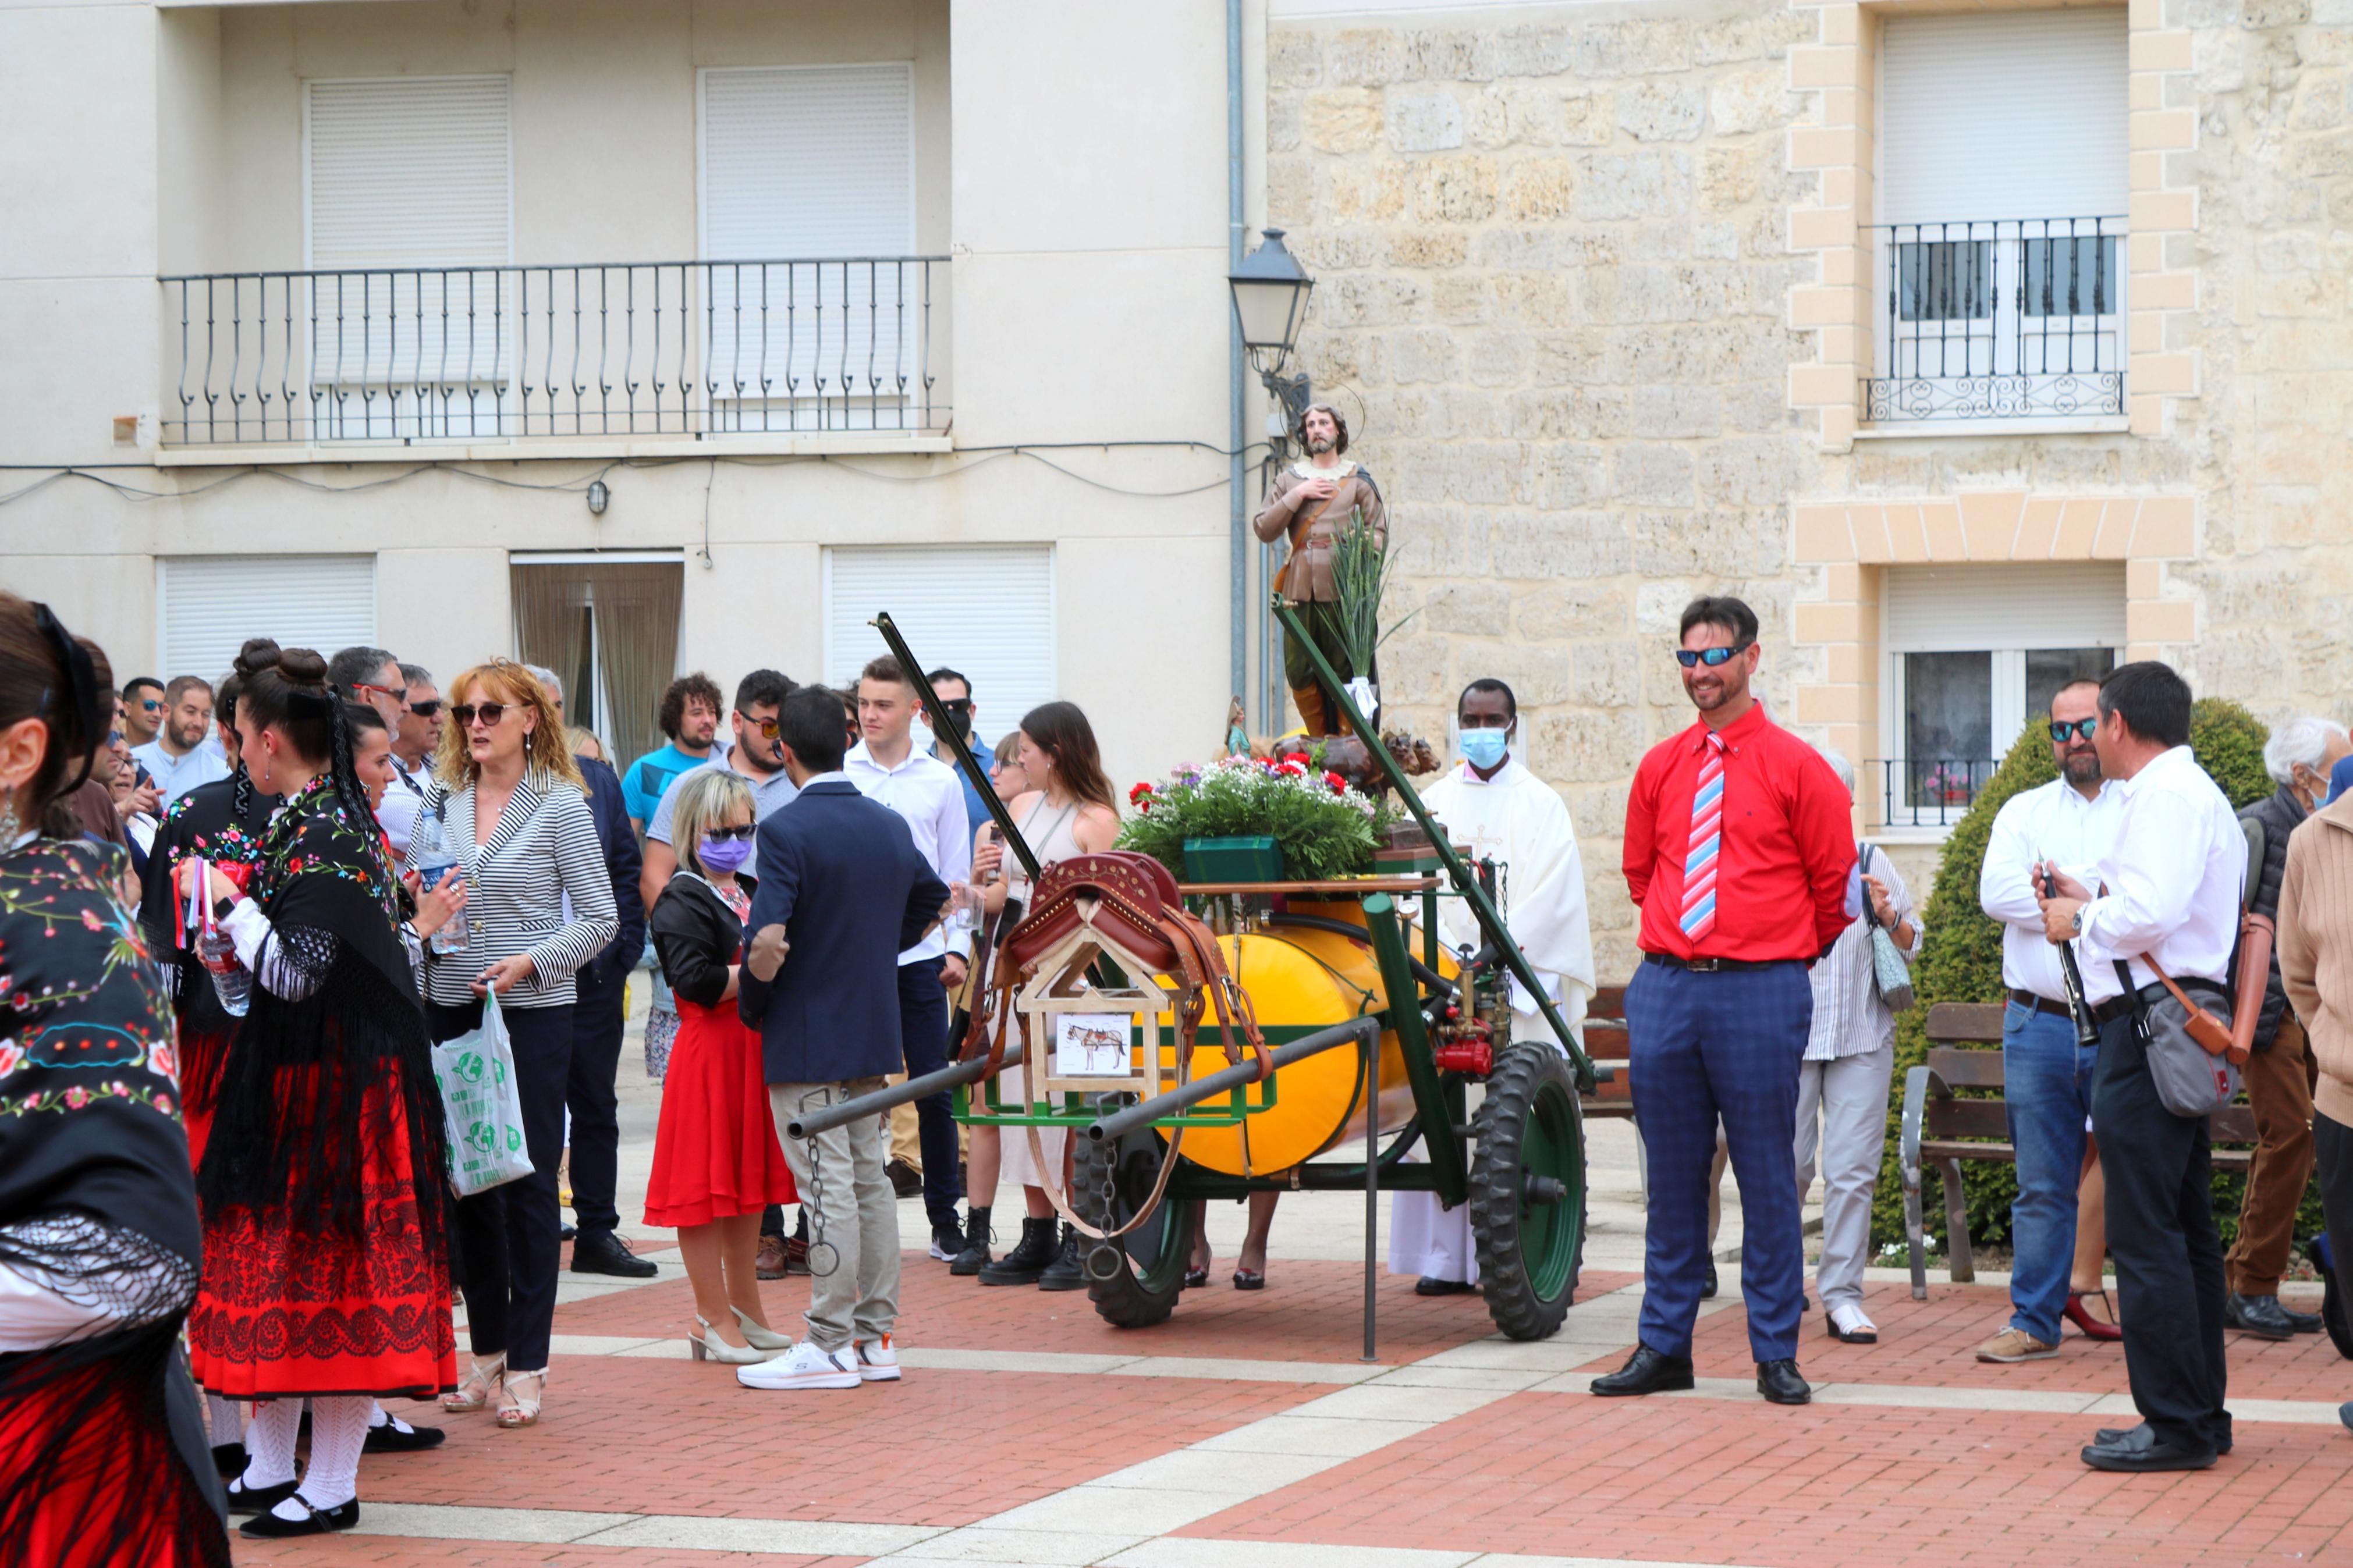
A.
pixel 1960 960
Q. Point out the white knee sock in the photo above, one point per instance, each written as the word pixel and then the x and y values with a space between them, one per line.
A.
pixel 338 1432
pixel 225 1419
pixel 269 1443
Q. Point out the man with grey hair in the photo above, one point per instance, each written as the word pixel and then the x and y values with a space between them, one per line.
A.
pixel 1843 1084
pixel 2280 1072
pixel 372 675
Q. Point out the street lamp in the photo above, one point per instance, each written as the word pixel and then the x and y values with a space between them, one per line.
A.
pixel 1271 290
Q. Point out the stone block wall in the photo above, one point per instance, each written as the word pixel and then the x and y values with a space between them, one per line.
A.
pixel 1553 269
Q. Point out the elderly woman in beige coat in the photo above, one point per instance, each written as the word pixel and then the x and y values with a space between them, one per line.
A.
pixel 2315 962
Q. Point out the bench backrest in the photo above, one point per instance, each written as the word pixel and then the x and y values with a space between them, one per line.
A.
pixel 1948 1116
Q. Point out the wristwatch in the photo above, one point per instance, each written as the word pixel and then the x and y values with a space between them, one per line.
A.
pixel 2079 919
pixel 221 907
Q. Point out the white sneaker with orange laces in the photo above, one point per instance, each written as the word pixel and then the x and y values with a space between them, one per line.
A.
pixel 877 1362
pixel 803 1366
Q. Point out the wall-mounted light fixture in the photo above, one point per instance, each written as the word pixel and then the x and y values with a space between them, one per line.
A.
pixel 600 495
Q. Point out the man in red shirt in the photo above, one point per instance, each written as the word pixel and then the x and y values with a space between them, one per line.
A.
pixel 1740 854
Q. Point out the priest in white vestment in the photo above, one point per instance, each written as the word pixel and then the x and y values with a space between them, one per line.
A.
pixel 1491 805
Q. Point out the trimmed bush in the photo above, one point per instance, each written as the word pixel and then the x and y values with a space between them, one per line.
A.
pixel 1960 960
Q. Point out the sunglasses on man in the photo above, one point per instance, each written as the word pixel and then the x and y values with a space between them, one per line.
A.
pixel 1710 657
pixel 396 693
pixel 153 704
pixel 426 708
pixel 2082 729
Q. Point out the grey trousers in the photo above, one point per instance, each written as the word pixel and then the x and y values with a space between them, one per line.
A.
pixel 853 1214
pixel 1849 1098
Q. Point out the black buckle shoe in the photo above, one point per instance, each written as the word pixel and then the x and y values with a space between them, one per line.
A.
pixel 314 1521
pixel 602 1252
pixel 1778 1382
pixel 258 1500
pixel 1646 1371
pixel 397 1437
pixel 2258 1315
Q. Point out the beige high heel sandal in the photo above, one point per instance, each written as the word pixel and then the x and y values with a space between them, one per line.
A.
pixel 708 1345
pixel 481 1378
pixel 516 1410
pixel 758 1336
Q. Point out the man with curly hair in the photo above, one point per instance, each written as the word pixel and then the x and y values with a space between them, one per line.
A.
pixel 690 717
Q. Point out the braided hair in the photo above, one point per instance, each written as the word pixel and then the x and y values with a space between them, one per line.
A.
pixel 224 700
pixel 286 689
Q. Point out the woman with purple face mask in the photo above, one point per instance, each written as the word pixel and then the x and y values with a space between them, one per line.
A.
pixel 716 1159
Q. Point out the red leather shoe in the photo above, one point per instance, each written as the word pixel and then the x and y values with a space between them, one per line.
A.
pixel 2093 1327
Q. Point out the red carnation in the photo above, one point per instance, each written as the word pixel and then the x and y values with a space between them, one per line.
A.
pixel 1339 785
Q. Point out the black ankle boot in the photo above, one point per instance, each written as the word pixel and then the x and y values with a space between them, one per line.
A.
pixel 1065 1273
pixel 974 1258
pixel 1029 1257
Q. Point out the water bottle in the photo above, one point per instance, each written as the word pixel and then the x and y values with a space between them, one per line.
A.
pixel 433 857
pixel 232 982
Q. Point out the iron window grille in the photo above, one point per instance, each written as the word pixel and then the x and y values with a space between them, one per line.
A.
pixel 483 354
pixel 2020 317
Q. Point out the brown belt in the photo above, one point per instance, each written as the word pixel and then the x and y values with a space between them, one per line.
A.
pixel 2042 1004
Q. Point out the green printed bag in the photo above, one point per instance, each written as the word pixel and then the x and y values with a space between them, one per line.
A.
pixel 481 1107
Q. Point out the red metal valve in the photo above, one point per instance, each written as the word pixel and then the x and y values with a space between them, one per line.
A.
pixel 1476 1058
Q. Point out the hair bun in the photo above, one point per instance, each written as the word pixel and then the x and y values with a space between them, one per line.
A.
pixel 302 667
pixel 258 654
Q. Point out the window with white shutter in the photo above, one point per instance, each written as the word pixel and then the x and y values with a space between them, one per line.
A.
pixel 986 610
pixel 2001 191
pixel 409 215
pixel 209 606
pixel 809 198
pixel 1972 653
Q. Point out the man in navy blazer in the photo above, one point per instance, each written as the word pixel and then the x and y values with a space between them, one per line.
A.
pixel 842 892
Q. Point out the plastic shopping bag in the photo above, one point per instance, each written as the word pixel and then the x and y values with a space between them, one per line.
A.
pixel 481 1107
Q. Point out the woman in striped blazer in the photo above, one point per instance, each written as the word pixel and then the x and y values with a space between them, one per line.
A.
pixel 539 905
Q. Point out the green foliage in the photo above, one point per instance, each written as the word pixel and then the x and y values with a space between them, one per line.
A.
pixel 1960 960
pixel 1324 832
pixel 1361 569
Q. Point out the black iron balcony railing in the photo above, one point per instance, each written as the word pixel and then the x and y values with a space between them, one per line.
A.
pixel 486 353
pixel 1928 792
pixel 2019 319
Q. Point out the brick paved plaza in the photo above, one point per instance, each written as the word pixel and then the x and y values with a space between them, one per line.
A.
pixel 1246 1433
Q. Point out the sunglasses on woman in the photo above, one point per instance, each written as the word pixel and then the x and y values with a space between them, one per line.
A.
pixel 2080 728
pixel 489 713
pixel 742 830
pixel 1710 657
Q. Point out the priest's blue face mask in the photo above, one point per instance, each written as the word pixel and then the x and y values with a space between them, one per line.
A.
pixel 1483 749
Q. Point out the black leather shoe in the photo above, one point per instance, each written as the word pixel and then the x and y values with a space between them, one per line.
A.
pixel 2261 1315
pixel 602 1252
pixel 973 1255
pixel 2139 1450
pixel 1066 1272
pixel 2109 1437
pixel 1646 1371
pixel 258 1500
pixel 1029 1257
pixel 1707 1291
pixel 316 1521
pixel 566 1232
pixel 2302 1322
pixel 1778 1382
pixel 1426 1285
pixel 397 1437
pixel 228 1460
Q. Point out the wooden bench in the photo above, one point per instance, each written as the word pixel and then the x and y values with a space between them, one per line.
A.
pixel 1605 1043
pixel 1941 1129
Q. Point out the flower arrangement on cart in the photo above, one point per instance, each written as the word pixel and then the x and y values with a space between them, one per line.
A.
pixel 1258 819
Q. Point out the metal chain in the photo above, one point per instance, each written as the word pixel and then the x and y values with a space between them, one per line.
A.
pixel 813 1205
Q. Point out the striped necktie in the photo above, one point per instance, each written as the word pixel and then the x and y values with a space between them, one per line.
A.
pixel 1706 839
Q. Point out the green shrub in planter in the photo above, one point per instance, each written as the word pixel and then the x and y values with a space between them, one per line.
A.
pixel 1960 960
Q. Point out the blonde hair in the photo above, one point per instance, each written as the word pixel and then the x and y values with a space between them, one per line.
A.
pixel 503 681
pixel 706 797
pixel 581 740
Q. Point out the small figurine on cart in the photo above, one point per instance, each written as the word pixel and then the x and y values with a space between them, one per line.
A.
pixel 1311 503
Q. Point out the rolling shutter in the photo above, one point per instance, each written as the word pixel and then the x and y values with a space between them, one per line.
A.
pixel 211 604
pixel 808 162
pixel 2059 603
pixel 985 610
pixel 2020 114
pixel 409 172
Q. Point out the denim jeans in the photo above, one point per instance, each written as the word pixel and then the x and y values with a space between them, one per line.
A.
pixel 2047 1086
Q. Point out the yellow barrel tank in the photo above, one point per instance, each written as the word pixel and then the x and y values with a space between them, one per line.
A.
pixel 1299 980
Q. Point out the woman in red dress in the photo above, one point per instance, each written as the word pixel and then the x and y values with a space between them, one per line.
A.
pixel 716 1160
pixel 323 1184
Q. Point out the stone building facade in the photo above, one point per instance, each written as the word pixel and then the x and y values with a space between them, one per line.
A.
pixel 1596 285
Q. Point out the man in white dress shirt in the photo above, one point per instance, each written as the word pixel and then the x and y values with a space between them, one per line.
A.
pixel 1493 806
pixel 2167 891
pixel 2046 1075
pixel 886 767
